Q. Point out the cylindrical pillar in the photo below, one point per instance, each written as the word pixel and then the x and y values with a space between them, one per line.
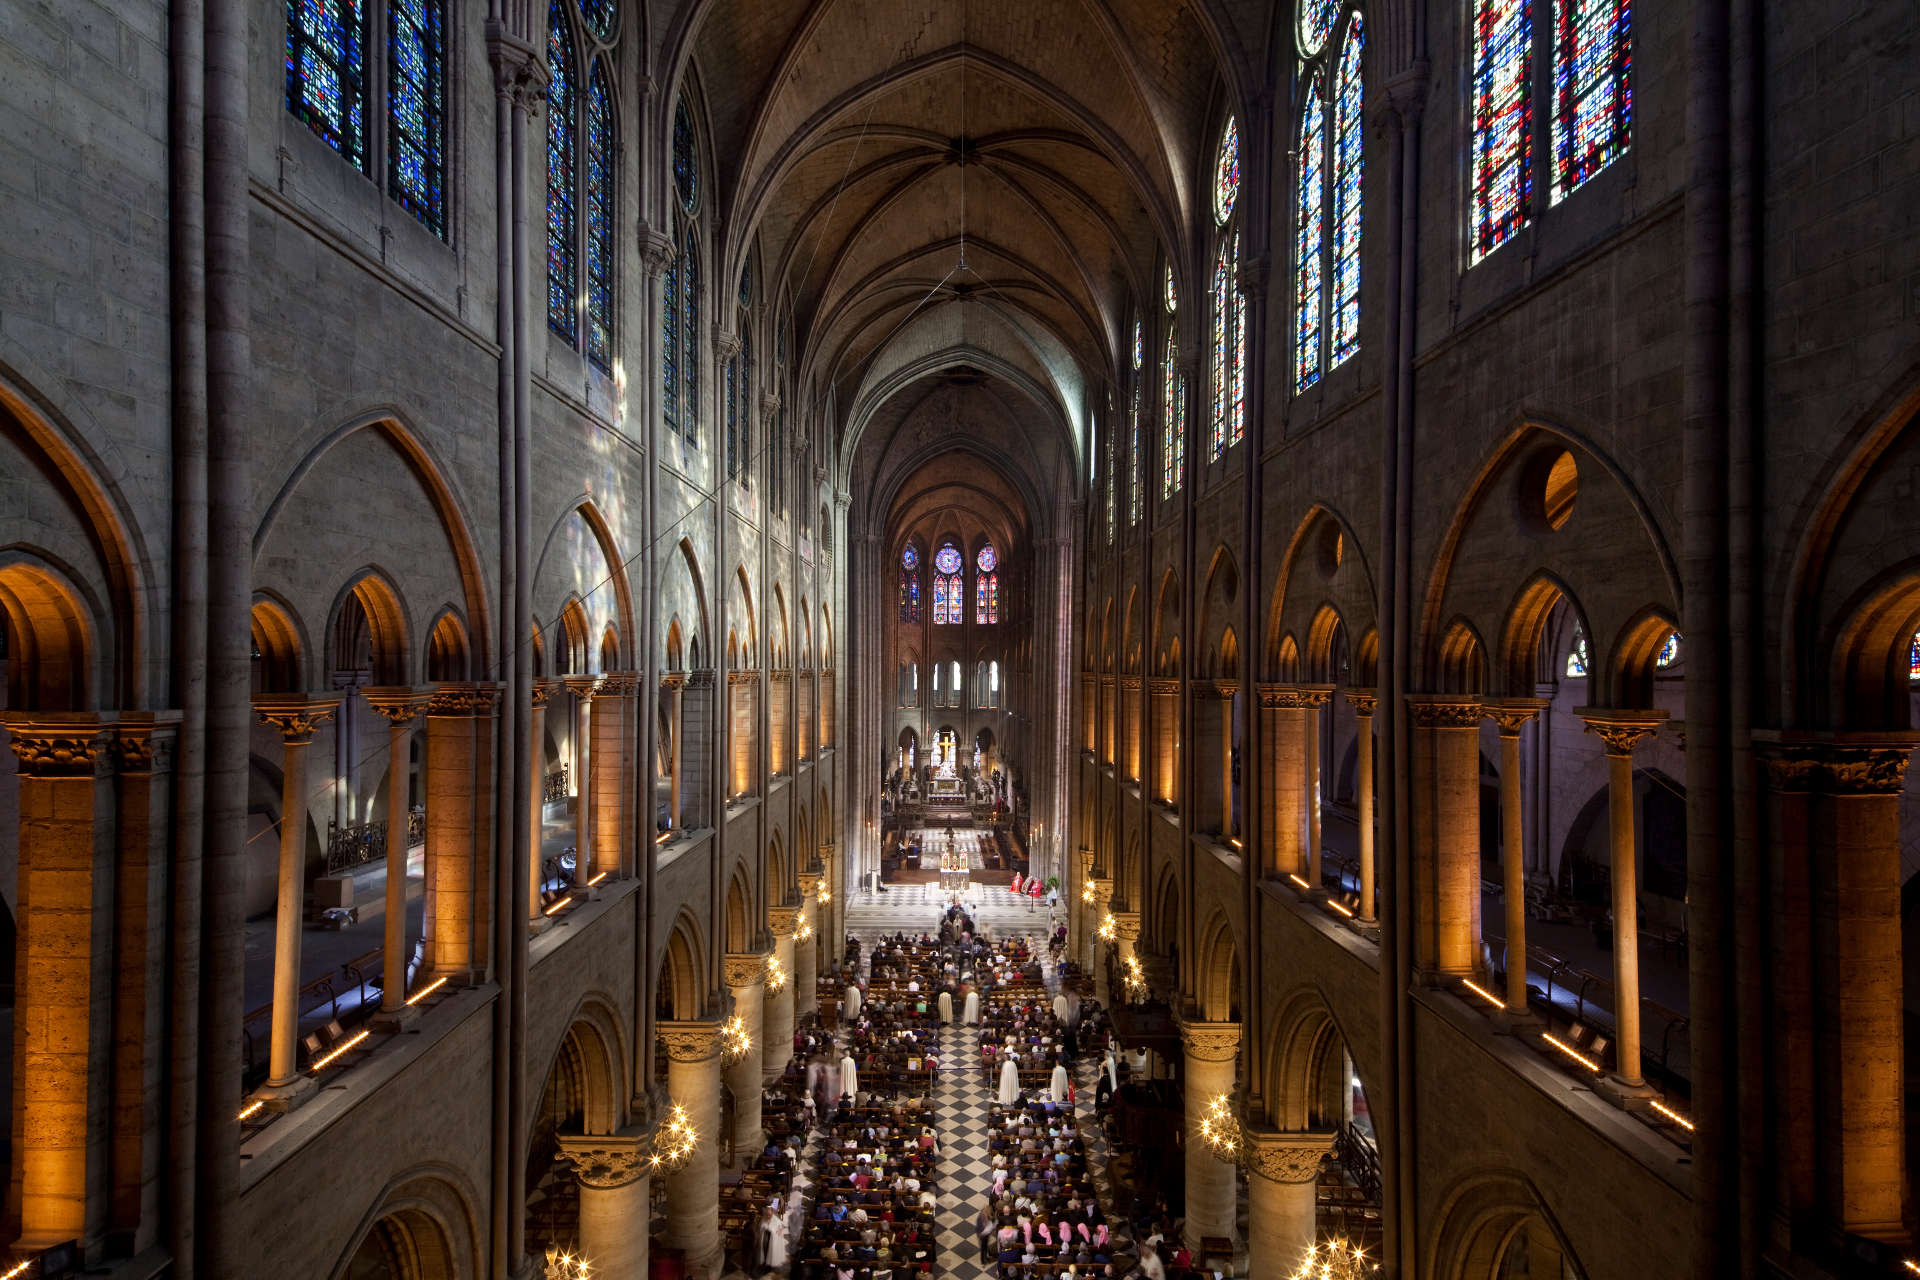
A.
pixel 1283 709
pixel 583 688
pixel 693 1190
pixel 776 1017
pixel 1212 1192
pixel 614 1210
pixel 399 706
pixel 1363 708
pixel 606 789
pixel 296 718
pixel 1282 1209
pixel 1316 698
pixel 746 977
pixel 1510 716
pixel 537 731
pixel 1622 731
pixel 1452 742
pixel 806 947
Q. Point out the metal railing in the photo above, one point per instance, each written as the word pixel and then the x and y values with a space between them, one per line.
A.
pixel 557 786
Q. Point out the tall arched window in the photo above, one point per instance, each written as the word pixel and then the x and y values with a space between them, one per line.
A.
pixel 1592 89
pixel 1229 306
pixel 1502 116
pixel 582 144
pixel 1309 239
pixel 1113 468
pixel 1349 166
pixel 949 587
pixel 910 584
pixel 1173 390
pixel 1134 484
pixel 680 296
pixel 1913 660
pixel 986 587
pixel 417 109
pixel 1330 163
pixel 327 72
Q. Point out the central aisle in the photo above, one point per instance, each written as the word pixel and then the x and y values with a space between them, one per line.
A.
pixel 961 1099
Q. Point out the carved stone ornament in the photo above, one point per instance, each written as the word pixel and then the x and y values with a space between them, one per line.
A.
pixel 1797 770
pixel 740 971
pixel 56 749
pixel 809 884
pixel 146 745
pixel 656 250
pixel 1126 926
pixel 1163 684
pixel 1130 684
pixel 1210 1041
pixel 1512 714
pixel 1285 1157
pixel 1446 712
pixel 1283 697
pixel 607 1162
pixel 743 677
pixel 295 715
pixel 456 698
pixel 1316 695
pixel 1364 701
pixel 782 921
pixel 690 1041
pixel 397 703
pixel 1866 771
pixel 1622 731
pixel 586 688
pixel 543 691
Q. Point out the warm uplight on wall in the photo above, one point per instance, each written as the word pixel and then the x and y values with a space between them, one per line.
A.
pixel 19 1270
pixel 426 991
pixel 1483 993
pixel 1570 1051
pixel 596 880
pixel 1299 880
pixel 556 906
pixel 663 837
pixel 1687 1124
pixel 247 1113
pixel 675 1140
pixel 335 1053
pixel 1335 906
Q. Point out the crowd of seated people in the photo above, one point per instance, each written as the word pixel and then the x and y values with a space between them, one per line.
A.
pixel 1043 1220
pixel 873 1215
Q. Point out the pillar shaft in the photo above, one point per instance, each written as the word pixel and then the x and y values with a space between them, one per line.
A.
pixel 583 689
pixel 614 1201
pixel 1211 1182
pixel 1363 707
pixel 296 718
pixel 1284 713
pixel 459 825
pixel 1282 1208
pixel 1310 735
pixel 693 1190
pixel 1511 716
pixel 776 1016
pixel 399 706
pixel 746 979
pixel 537 732
pixel 1450 845
pixel 1622 730
pixel 606 793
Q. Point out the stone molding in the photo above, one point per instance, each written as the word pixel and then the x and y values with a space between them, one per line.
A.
pixel 586 688
pixel 1364 701
pixel 1622 731
pixel 673 679
pixel 1130 684
pixel 1163 684
pixel 1126 926
pixel 690 1041
pixel 1283 697
pixel 542 692
pixel 1445 711
pixel 398 703
pixel 1510 715
pixel 619 684
pixel 608 1161
pixel 781 675
pixel 56 746
pixel 463 698
pixel 1875 765
pixel 743 677
pixel 295 715
pixel 783 921
pixel 143 741
pixel 1289 1157
pixel 742 971
pixel 1210 1041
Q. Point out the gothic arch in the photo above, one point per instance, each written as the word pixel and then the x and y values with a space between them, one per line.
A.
pixel 1216 975
pixel 54 627
pixel 423 1220
pixel 682 985
pixel 1479 1221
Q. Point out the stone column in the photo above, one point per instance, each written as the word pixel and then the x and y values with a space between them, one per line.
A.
pixel 583 689
pixel 399 706
pixel 1282 1210
pixel 615 1213
pixel 746 978
pixel 543 691
pixel 1622 731
pixel 1511 715
pixel 61 1028
pixel 1164 710
pixel 1446 841
pixel 1212 1193
pixel 776 1018
pixel 1282 717
pixel 675 685
pixel 1315 697
pixel 296 716
pixel 1126 939
pixel 693 1190
pixel 605 786
pixel 459 825
pixel 806 947
pixel 1364 703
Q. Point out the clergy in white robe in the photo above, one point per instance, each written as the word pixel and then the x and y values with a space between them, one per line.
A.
pixel 973 1008
pixel 1059 1084
pixel 853 1002
pixel 849 1077
pixel 946 1007
pixel 1113 1071
pixel 1009 1083
pixel 1060 1007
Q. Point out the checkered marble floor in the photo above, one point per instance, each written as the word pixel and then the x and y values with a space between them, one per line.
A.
pixel 965 1158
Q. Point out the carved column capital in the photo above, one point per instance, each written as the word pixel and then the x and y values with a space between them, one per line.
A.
pixel 782 921
pixel 1364 701
pixel 1445 710
pixel 1283 697
pixel 542 692
pixel 1510 715
pixel 1285 1157
pixel 742 971
pixel 809 885
pixel 143 741
pixel 1621 730
pixel 56 746
pixel 1847 764
pixel 656 250
pixel 1210 1041
pixel 456 698
pixel 1126 926
pixel 619 684
pixel 582 687
pixel 607 1161
pixel 397 703
pixel 295 715
pixel 690 1041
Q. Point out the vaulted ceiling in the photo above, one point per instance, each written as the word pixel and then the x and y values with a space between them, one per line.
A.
pixel 962 182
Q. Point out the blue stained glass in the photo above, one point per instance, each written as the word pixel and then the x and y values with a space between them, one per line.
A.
pixel 1592 89
pixel 1229 350
pixel 1669 651
pixel 1171 297
pixel 1913 659
pixel 602 147
pixel 1502 122
pixel 1316 23
pixel 690 342
pixel 910 558
pixel 417 109
pixel 1133 456
pixel 1173 438
pixel 1237 407
pixel 746 284
pixel 670 347
pixel 686 164
pixel 948 559
pixel 986 561
pixel 1577 657
pixel 562 309
pixel 1309 244
pixel 1349 163
pixel 1226 174
pixel 1138 350
pixel 326 72
pixel 603 17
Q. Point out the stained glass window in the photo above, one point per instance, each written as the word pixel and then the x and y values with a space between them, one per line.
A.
pixel 602 17
pixel 1502 114
pixel 1226 173
pixel 1349 161
pixel 670 346
pixel 949 595
pixel 1173 441
pixel 417 109
pixel 1577 656
pixel 686 164
pixel 910 584
pixel 1171 297
pixel 733 417
pixel 1309 246
pixel 986 587
pixel 1137 350
pixel 690 341
pixel 1316 24
pixel 601 149
pixel 1133 455
pixel 746 284
pixel 1229 350
pixel 562 313
pixel 1669 651
pixel 327 72
pixel 746 404
pixel 1913 659
pixel 1592 88
pixel 1113 475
